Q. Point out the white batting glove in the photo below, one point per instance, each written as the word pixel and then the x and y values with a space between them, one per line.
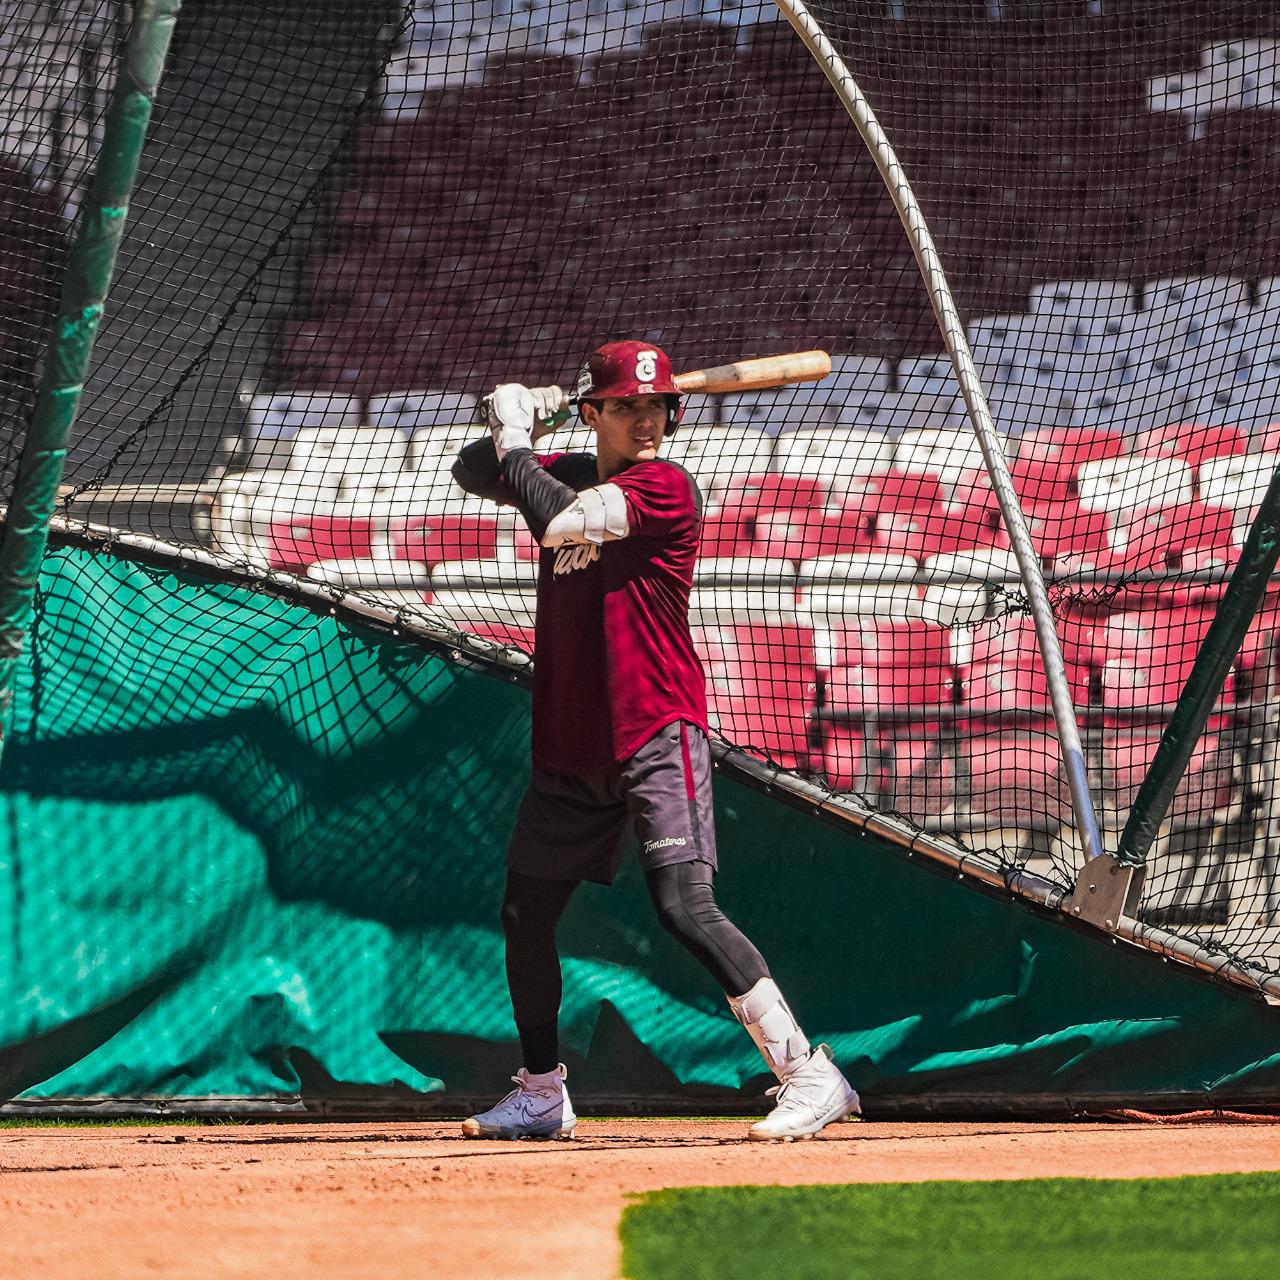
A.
pixel 551 408
pixel 510 410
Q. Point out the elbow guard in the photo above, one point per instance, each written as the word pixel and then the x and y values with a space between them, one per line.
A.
pixel 598 514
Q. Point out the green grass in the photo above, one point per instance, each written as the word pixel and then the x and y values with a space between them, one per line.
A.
pixel 1225 1226
pixel 107 1122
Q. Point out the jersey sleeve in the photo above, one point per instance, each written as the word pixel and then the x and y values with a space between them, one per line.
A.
pixel 661 498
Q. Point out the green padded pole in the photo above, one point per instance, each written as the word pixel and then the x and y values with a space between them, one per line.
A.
pixel 1222 642
pixel 84 292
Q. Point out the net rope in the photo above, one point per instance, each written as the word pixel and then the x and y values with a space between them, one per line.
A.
pixel 351 224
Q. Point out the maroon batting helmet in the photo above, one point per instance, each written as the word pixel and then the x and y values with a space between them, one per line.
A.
pixel 622 369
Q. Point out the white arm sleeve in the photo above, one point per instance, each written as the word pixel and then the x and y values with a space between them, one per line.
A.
pixel 599 515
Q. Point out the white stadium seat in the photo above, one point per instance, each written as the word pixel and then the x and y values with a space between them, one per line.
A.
pixel 1117 484
pixel 955 457
pixel 742 606
pixel 832 455
pixel 346 464
pixel 964 587
pixel 745 571
pixel 833 588
pixel 1238 482
pixel 714 456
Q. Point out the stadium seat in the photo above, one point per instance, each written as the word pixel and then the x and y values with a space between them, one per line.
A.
pixel 1058 530
pixel 749 499
pixel 885 642
pixel 1229 401
pixel 895 718
pixel 303 540
pixel 1206 297
pixel 1125 757
pixel 716 456
pixel 954 457
pixel 761 605
pixel 1013 780
pixel 807 534
pixel 831 455
pixel 1082 298
pixel 1112 485
pixel 784 409
pixel 930 533
pixel 853 376
pixel 887 412
pixel 430 539
pixel 1190 442
pixel 761 687
pixel 964 587
pixel 893 495
pixel 1238 482
pixel 834 588
pixel 344 464
pixel 1070 446
pixel 746 571
pixel 435 447
pixel 1146 657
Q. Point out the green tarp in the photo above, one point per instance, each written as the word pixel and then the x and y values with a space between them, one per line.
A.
pixel 247 851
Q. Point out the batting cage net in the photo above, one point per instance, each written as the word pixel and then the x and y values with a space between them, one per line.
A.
pixel 354 220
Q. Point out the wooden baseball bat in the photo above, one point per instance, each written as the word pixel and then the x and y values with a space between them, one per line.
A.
pixel 753 375
pixel 742 375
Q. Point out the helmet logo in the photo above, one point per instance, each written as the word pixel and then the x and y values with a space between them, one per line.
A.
pixel 646 366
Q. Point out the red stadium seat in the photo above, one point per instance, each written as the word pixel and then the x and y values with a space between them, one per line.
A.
pixel 762 687
pixel 507 634
pixel 1014 780
pixel 889 642
pixel 1192 443
pixel 304 540
pixel 817 531
pixel 1145 658
pixel 1070 446
pixel 432 539
pixel 722 536
pixel 749 499
pixel 1185 539
pixel 1126 756
pixel 907 760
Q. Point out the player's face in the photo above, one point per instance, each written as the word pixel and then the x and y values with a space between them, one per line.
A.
pixel 630 429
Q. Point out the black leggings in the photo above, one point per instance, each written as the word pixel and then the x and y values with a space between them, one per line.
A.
pixel 685 901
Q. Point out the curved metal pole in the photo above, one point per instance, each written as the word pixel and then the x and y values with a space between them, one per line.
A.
pixel 953 335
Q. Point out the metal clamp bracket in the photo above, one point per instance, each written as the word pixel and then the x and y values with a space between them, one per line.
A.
pixel 1105 892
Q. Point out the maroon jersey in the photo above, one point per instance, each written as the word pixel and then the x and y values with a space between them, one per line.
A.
pixel 614 660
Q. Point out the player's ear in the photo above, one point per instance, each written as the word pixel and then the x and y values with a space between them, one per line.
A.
pixel 590 413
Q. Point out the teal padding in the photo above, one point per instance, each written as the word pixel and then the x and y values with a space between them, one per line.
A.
pixel 249 851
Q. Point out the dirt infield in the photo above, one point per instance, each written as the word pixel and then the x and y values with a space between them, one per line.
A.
pixel 371 1200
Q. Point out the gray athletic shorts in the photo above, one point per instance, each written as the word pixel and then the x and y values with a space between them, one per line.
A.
pixel 572 827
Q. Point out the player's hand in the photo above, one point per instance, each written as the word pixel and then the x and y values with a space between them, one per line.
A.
pixel 551 409
pixel 511 412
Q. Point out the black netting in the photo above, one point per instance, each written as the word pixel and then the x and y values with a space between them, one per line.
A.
pixel 354 220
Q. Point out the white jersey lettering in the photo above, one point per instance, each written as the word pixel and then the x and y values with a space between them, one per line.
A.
pixel 573 556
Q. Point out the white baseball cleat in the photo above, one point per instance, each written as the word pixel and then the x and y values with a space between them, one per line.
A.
pixel 538 1107
pixel 813 1096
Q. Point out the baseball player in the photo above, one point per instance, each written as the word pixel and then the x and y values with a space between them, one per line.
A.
pixel 619 727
